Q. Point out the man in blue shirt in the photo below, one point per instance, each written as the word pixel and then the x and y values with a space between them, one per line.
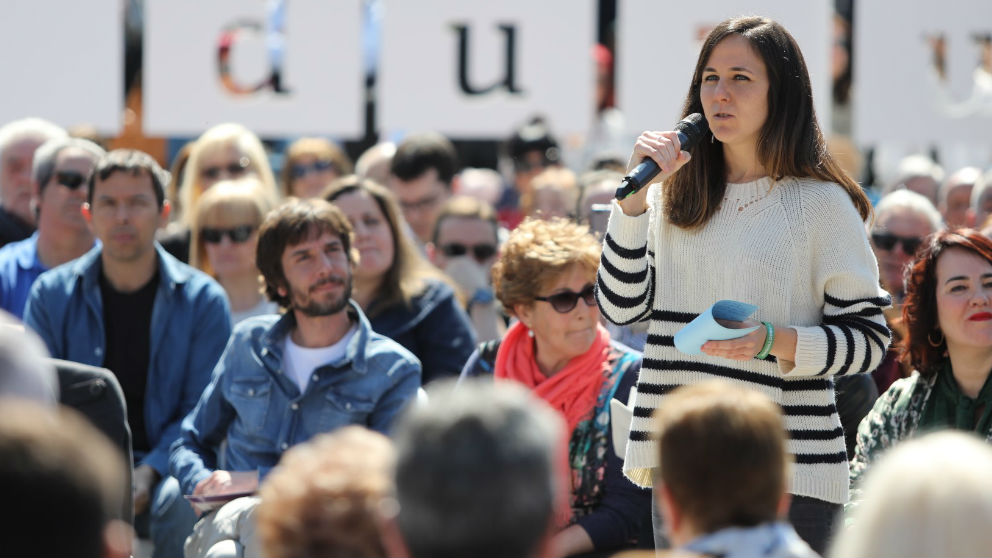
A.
pixel 59 178
pixel 157 324
pixel 283 379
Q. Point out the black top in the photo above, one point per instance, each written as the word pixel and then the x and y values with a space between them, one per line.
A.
pixel 127 321
pixel 12 227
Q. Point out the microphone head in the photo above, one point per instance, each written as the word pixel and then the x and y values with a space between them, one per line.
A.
pixel 693 127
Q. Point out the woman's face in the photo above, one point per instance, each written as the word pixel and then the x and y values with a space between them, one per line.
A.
pixel 559 336
pixel 734 92
pixel 223 163
pixel 373 237
pixel 311 175
pixel 964 288
pixel 229 252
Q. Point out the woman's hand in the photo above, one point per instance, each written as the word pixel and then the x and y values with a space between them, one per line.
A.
pixel 742 348
pixel 662 147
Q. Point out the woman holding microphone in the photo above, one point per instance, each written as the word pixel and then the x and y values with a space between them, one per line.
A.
pixel 760 213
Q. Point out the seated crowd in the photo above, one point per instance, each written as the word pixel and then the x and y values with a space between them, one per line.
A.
pixel 399 357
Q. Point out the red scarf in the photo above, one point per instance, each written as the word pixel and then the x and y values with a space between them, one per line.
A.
pixel 573 391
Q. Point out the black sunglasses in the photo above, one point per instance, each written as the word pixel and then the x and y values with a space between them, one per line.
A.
pixel 237 234
pixel 888 241
pixel 300 170
pixel 481 252
pixel 70 179
pixel 565 301
pixel 234 169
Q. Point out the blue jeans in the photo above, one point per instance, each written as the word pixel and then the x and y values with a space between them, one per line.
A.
pixel 171 519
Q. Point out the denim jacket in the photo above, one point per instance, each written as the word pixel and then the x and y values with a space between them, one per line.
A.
pixel 190 326
pixel 260 411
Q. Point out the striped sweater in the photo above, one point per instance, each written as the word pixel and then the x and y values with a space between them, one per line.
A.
pixel 798 249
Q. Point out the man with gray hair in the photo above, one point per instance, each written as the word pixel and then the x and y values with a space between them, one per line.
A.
pixel 476 473
pixel 59 177
pixel 954 197
pixel 903 218
pixel 18 141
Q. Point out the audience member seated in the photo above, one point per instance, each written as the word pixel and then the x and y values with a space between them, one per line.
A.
pixel 27 371
pixel 60 480
pixel 224 152
pixel 920 174
pixel 464 246
pixel 422 173
pixel 902 220
pixel 59 179
pixel 157 324
pixel 948 317
pixel 405 298
pixel 954 197
pixel 375 161
pixel 926 497
pixel 18 141
pixel 310 165
pixel 225 236
pixel 723 473
pixel 981 202
pixel 284 379
pixel 530 149
pixel 478 473
pixel 554 192
pixel 597 187
pixel 486 185
pixel 545 277
pixel 328 497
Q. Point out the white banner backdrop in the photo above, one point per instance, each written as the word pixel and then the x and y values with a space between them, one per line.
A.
pixel 918 72
pixel 292 72
pixel 477 69
pixel 658 43
pixel 63 61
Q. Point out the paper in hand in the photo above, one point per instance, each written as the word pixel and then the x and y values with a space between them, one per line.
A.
pixel 705 327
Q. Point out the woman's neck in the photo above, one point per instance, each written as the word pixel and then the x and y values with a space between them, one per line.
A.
pixel 549 364
pixel 743 164
pixel 365 290
pixel 243 291
pixel 970 366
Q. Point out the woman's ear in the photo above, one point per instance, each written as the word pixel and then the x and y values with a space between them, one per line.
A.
pixel 524 313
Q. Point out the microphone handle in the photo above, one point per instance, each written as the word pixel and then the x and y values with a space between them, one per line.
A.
pixel 642 174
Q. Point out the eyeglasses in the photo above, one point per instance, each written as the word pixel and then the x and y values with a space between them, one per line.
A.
pixel 300 169
pixel 565 301
pixel 481 252
pixel 887 241
pixel 70 179
pixel 238 234
pixel 234 169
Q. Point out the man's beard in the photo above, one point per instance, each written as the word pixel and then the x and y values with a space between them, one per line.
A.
pixel 308 306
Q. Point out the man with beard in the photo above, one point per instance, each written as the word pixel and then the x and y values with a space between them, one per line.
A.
pixel 159 325
pixel 283 379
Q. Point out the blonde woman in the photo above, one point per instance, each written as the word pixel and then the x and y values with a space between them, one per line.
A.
pixel 311 164
pixel 224 238
pixel 225 152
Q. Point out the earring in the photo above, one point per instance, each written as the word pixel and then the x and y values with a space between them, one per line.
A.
pixel 937 343
pixel 712 138
pixel 530 333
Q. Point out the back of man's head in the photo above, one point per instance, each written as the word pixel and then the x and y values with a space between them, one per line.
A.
pixel 25 369
pixel 60 480
pixel 476 470
pixel 421 152
pixel 723 458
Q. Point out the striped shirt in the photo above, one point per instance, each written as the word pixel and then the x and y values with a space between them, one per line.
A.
pixel 798 249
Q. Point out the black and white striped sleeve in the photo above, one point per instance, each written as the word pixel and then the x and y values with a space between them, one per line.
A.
pixel 852 336
pixel 625 282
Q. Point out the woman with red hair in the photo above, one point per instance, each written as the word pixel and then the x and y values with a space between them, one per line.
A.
pixel 948 314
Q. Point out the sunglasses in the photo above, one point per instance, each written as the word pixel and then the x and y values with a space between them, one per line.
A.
pixel 300 170
pixel 888 241
pixel 565 301
pixel 481 252
pixel 234 169
pixel 238 234
pixel 70 179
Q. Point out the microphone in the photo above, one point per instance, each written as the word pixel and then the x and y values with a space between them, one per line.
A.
pixel 690 130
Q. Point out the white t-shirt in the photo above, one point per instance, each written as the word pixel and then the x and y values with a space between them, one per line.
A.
pixel 300 362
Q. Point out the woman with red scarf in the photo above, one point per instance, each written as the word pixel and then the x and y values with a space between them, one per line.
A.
pixel 545 278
